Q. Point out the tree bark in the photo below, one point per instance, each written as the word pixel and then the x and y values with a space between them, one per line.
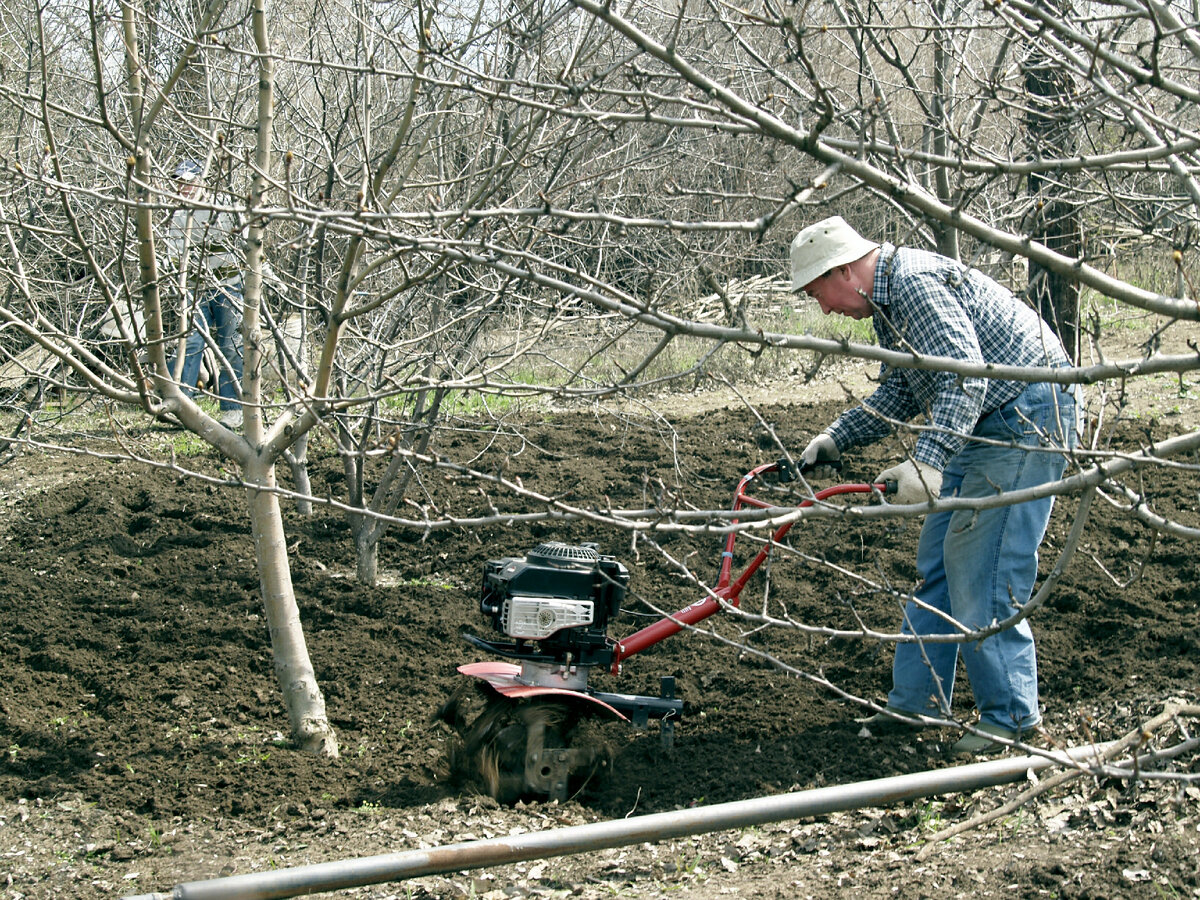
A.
pixel 297 460
pixel 1054 220
pixel 366 551
pixel 302 696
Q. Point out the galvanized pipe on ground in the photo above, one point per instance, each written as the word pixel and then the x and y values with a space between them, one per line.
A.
pixel 369 870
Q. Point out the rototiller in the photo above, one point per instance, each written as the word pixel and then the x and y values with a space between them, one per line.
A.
pixel 553 606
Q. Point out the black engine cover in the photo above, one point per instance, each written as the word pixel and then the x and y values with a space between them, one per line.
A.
pixel 562 571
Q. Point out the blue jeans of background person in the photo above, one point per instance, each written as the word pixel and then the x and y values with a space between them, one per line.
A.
pixel 218 311
pixel 978 566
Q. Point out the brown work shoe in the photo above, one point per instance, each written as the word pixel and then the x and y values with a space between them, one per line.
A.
pixel 886 721
pixel 985 742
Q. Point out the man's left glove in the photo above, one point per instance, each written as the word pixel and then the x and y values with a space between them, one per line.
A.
pixel 916 482
pixel 820 449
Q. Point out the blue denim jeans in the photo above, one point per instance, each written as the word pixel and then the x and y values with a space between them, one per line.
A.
pixel 218 311
pixel 980 566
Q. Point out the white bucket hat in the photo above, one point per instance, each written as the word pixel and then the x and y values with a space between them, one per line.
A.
pixel 188 170
pixel 826 245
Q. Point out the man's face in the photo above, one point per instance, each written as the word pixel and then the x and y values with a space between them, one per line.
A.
pixel 838 291
pixel 187 187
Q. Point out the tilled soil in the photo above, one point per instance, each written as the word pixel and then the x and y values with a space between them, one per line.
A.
pixel 143 740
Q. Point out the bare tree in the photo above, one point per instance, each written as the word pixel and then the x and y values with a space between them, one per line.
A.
pixel 440 193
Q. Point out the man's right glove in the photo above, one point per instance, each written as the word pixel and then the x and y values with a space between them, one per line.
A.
pixel 820 449
pixel 916 482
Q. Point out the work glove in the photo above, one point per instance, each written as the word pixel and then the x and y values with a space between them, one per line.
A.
pixel 915 482
pixel 820 449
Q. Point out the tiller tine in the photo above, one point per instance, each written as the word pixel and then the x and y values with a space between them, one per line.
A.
pixel 524 747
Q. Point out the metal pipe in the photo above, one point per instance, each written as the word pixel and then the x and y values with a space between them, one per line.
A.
pixel 331 876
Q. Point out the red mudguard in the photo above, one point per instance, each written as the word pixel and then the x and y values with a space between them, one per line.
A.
pixel 505 678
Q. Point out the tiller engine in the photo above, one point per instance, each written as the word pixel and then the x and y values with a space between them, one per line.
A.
pixel 554 605
pixel 536 734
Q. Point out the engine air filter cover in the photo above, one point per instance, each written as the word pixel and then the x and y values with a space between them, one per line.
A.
pixel 539 617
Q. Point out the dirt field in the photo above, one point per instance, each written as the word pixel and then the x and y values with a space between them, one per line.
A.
pixel 142 734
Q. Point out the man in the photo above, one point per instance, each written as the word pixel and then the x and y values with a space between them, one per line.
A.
pixel 978 437
pixel 213 285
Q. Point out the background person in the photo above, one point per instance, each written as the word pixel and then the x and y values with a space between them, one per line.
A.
pixel 203 243
pixel 974 565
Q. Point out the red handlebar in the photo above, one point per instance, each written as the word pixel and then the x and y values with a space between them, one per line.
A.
pixel 730 592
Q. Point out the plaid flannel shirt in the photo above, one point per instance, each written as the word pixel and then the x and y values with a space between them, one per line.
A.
pixel 213 240
pixel 933 306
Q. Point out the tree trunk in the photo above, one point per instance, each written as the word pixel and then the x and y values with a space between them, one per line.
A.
pixel 941 102
pixel 1055 296
pixel 297 460
pixel 310 727
pixel 362 528
pixel 366 549
pixel 1055 222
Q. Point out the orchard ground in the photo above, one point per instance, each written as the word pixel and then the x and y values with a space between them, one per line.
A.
pixel 143 740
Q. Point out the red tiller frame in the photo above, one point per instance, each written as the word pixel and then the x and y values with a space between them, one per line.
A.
pixel 726 590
